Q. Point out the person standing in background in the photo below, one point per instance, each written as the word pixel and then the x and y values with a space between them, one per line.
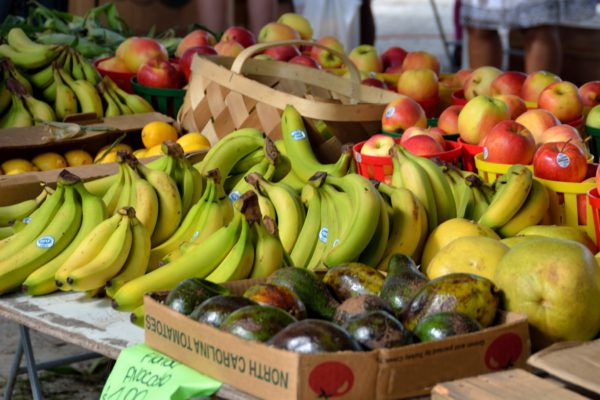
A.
pixel 214 14
pixel 538 19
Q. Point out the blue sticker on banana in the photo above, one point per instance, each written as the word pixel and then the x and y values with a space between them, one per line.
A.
pixel 298 134
pixel 323 234
pixel 233 196
pixel 45 242
pixel 26 220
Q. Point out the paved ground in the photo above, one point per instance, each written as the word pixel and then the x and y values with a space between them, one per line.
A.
pixel 406 23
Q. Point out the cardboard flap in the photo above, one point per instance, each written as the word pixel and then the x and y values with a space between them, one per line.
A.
pixel 574 362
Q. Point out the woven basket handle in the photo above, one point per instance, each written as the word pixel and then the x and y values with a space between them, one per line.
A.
pixel 247 53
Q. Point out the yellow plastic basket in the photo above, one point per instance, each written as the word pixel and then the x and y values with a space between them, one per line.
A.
pixel 569 205
pixel 490 171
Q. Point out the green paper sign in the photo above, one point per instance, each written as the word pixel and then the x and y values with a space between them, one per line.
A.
pixel 142 373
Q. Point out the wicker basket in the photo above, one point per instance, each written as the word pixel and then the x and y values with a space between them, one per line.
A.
pixel 225 94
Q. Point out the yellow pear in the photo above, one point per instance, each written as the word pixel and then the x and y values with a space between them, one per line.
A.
pixel 561 232
pixel 515 240
pixel 556 283
pixel 448 231
pixel 477 255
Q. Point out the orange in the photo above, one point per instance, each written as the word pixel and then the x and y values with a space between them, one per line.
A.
pixel 193 141
pixel 17 165
pixel 78 157
pixel 111 157
pixel 157 132
pixel 49 160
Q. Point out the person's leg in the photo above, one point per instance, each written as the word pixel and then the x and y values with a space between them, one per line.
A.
pixel 367 23
pixel 543 50
pixel 212 14
pixel 260 13
pixel 485 48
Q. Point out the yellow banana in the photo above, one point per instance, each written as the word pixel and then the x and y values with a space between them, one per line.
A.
pixel 143 199
pixel 100 186
pixel 65 102
pixel 268 251
pixel 109 261
pixel 327 227
pixel 89 72
pixel 30 59
pixel 18 40
pixel 134 102
pixel 375 250
pixel 512 190
pixel 57 234
pixel 22 209
pixel 112 109
pixel 17 116
pixel 531 213
pixel 309 234
pixel 87 96
pixel 88 248
pixel 42 281
pixel 212 251
pixel 137 260
pixel 39 110
pixel 111 197
pixel 137 316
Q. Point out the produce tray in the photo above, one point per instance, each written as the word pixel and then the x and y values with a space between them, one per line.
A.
pixel 270 373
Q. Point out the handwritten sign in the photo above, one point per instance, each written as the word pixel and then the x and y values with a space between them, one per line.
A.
pixel 142 373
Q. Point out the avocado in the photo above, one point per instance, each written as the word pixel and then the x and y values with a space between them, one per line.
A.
pixel 268 294
pixel 358 305
pixel 444 324
pixel 189 293
pixel 257 322
pixel 471 294
pixel 353 279
pixel 402 282
pixel 216 309
pixel 378 329
pixel 319 302
pixel 314 336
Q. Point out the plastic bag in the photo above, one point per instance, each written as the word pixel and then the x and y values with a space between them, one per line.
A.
pixel 339 18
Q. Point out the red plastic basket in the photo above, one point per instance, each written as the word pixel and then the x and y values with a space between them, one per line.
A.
pixel 469 151
pixel 122 79
pixel 458 98
pixel 594 202
pixel 381 167
pixel 430 106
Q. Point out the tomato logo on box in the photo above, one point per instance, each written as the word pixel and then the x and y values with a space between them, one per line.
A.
pixel 504 352
pixel 331 379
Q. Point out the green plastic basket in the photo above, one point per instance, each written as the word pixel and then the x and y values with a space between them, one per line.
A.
pixel 166 101
pixel 595 142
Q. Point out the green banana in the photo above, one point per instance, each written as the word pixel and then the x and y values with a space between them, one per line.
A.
pixel 39 110
pixel 22 209
pixel 87 96
pixel 31 59
pixel 17 116
pixel 18 40
pixel 65 102
pixel 309 234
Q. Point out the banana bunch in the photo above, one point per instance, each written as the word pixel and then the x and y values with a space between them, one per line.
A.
pixel 23 110
pixel 114 251
pixel 233 251
pixel 471 194
pixel 25 53
pixel 118 102
pixel 519 201
pixel 45 235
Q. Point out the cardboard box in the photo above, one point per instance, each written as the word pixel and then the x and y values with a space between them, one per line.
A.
pixel 28 142
pixel 270 373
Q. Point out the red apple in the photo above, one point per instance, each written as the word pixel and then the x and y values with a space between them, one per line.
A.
pixel 135 51
pixel 434 133
pixel 185 62
pixel 239 34
pixel 420 84
pixel 228 49
pixel 365 58
pixel 508 143
pixel 448 119
pixel 401 114
pixel 535 83
pixel 158 73
pixel 509 82
pixel 375 82
pixel 480 82
pixel 537 121
pixel 423 145
pixel 275 31
pixel 324 57
pixel 394 69
pixel 282 53
pixel 113 64
pixel 479 116
pixel 378 145
pixel 516 105
pixel 563 100
pixel 419 60
pixel 563 133
pixel 198 37
pixel 590 93
pixel 393 56
pixel 463 75
pixel 560 161
pixel 305 60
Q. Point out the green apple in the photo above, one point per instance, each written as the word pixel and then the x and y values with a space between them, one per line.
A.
pixel 593 117
pixel 365 58
pixel 298 23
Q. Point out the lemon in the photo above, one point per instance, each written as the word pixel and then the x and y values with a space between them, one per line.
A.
pixel 154 151
pixel 154 133
pixel 140 153
pixel 49 160
pixel 120 146
pixel 16 166
pixel 78 157
pixel 193 141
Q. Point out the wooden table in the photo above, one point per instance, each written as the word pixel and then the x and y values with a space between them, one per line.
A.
pixel 88 323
